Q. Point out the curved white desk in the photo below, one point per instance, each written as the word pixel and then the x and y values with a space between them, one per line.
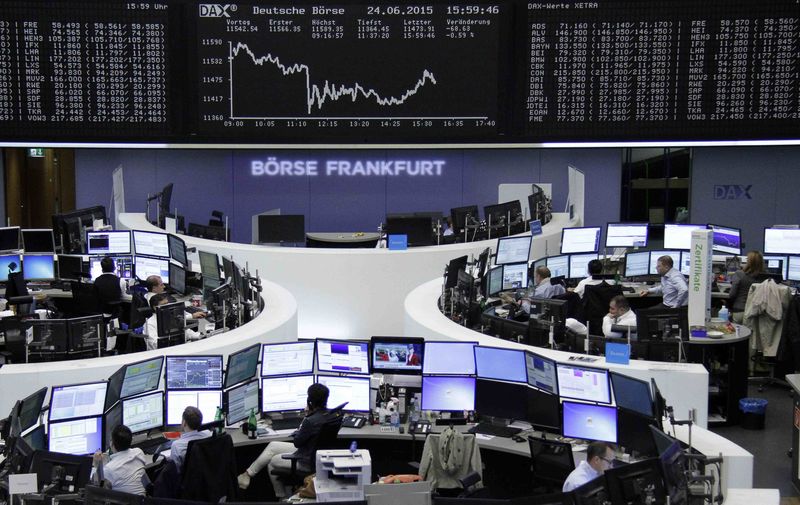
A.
pixel 352 293
pixel 276 323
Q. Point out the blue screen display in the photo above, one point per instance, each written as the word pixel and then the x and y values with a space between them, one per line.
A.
pixel 501 364
pixel 590 422
pixel 5 260
pixel 38 267
pixel 448 393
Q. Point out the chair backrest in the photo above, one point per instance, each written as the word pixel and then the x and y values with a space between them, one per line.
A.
pixel 14 330
pixel 327 438
pixel 85 297
pixel 551 461
pixel 209 471
pixel 595 304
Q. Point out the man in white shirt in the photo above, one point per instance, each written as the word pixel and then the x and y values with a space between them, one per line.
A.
pixel 619 312
pixel 124 468
pixel 598 459
pixel 151 325
pixel 191 420
pixel 155 286
pixel 595 267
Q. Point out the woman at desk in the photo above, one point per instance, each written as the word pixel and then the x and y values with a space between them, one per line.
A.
pixel 752 272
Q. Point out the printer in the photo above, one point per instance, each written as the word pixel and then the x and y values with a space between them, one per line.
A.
pixel 342 474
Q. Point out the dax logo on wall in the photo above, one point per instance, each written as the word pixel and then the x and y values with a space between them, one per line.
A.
pixel 732 192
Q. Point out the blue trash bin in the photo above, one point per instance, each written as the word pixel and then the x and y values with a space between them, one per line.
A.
pixel 754 413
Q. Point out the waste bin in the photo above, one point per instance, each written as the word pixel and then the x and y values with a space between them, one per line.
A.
pixel 754 412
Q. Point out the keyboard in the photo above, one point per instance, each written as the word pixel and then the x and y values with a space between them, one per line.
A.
pixel 150 445
pixel 494 430
pixel 287 423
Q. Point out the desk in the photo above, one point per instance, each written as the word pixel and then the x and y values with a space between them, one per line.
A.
pixel 752 497
pixel 342 240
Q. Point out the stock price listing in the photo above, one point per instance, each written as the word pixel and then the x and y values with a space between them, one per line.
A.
pixel 300 71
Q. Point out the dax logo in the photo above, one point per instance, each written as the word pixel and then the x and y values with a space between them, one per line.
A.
pixel 216 10
pixel 732 192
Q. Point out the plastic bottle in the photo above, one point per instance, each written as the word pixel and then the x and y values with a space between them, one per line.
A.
pixel 252 425
pixel 413 413
pixel 723 313
pixel 218 417
pixel 394 417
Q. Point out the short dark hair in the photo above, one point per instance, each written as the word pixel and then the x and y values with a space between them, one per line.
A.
pixel 107 264
pixel 156 300
pixel 193 417
pixel 596 449
pixel 543 272
pixel 666 260
pixel 121 437
pixel 152 281
pixel 595 267
pixel 620 302
pixel 318 396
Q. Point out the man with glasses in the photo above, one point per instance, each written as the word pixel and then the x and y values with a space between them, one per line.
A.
pixel 599 457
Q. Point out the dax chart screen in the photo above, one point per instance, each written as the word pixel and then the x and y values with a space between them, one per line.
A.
pixel 305 70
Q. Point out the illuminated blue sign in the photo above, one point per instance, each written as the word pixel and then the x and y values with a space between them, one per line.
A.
pixel 274 167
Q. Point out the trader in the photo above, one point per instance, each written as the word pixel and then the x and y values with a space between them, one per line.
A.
pixel 191 420
pixel 752 272
pixel 619 312
pixel 542 286
pixel 599 457
pixel 317 416
pixel 155 286
pixel 124 467
pixel 595 267
pixel 108 286
pixel 151 325
pixel 673 286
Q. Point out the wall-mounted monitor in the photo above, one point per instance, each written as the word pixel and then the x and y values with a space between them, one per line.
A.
pixel 449 358
pixel 103 243
pixel 194 372
pixel 285 394
pixel 637 264
pixel 77 400
pixel 583 383
pixel 580 240
pixel 500 363
pixel 448 393
pixel 342 356
pixel 513 250
pixel 396 355
pixel 679 236
pixel 38 241
pixel 144 267
pixel 151 243
pixel 208 401
pixel 727 240
pixel 242 365
pixel 781 241
pixel 589 422
pixel 579 265
pixel 515 276
pixel 38 267
pixel 288 358
pixel 350 389
pixel 541 372
pixel 626 235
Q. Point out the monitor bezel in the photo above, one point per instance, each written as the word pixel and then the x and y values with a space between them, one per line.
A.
pixel 564 231
pixel 136 397
pixel 694 227
pixel 102 418
pixel 273 344
pixel 124 369
pixel 509 238
pixel 261 390
pixel 775 253
pixel 172 237
pixel 505 349
pixel 37 255
pixel 711 226
pixel 448 342
pixel 571 274
pixel 108 253
pixel 226 394
pixel 634 223
pixel 489 275
pixel 343 372
pixel 19 239
pixel 43 231
pixel 473 378
pixel 52 394
pixel 174 268
pixel 645 383
pixel 555 372
pixel 526 270
pixel 225 384
pixel 360 378
pixel 137 253
pixel 136 273
pixel 590 368
pixel 395 339
pixel 196 390
pixel 197 356
pixel 789 263
pixel 593 405
pixel 629 253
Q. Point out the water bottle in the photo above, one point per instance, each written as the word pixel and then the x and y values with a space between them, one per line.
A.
pixel 394 418
pixel 252 425
pixel 413 413
pixel 353 446
pixel 723 313
pixel 218 417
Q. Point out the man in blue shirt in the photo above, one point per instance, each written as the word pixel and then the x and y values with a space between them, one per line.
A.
pixel 673 286
pixel 192 419
pixel 598 459
pixel 543 288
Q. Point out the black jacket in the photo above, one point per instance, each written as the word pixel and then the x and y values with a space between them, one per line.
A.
pixel 107 288
pixel 305 438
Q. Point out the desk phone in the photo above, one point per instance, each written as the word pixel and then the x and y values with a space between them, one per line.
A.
pixel 354 422
pixel 421 427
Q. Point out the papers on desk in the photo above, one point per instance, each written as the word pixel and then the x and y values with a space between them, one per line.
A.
pixel 481 436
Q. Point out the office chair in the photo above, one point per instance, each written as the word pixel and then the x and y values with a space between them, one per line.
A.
pixel 595 304
pixel 209 472
pixel 551 462
pixel 327 439
pixel 14 330
pixel 216 218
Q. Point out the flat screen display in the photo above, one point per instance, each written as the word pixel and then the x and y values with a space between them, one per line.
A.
pixel 141 377
pixel 145 267
pixel 397 355
pixel 194 372
pixel 209 265
pixel 123 267
pixel 5 265
pixel 579 265
pixel 280 394
pixel 589 422
pixel 558 266
pixel 76 436
pixel 654 255
pixel 541 372
pixel 177 249
pixel 515 276
pixel 544 411
pixel 632 394
pixel 353 390
pixel 583 383
pixel 38 267
pixel 143 413
pixel 626 235
pixel 773 262
pixel 206 401
pixel 449 358
pixel 80 400
pixel 727 240
pixel 637 264
pixel 69 267
pixel 103 243
pixel 501 399
pixel 679 236
pixel 342 356
pixel 286 359
pixel 151 243
pixel 580 240
pixel 30 409
pixel 9 238
pixel 177 278
pixel 793 271
pixel 449 393
pixel 513 250
pixel 686 262
pixel 501 364
pixel 781 241
pixel 38 241
pixel 495 280
pixel 242 365
pixel 240 401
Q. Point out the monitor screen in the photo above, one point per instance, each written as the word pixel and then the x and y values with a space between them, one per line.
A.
pixel 583 383
pixel 143 413
pixel 5 265
pixel 579 265
pixel 637 264
pixel 626 235
pixel 781 241
pixel 145 267
pixel 177 278
pixel 38 241
pixel 727 240
pixel 102 243
pixel 285 393
pixel 111 419
pixel 70 267
pixel 686 262
pixel 632 394
pixel 242 365
pixel 206 401
pixel 544 411
pixel 397 355
pixel 513 250
pixel 38 267
pixel 209 265
pixel 194 372
pixel 289 358
pixel 774 263
pixel 501 399
pixel 177 249
pixel 9 238
pixel 342 356
pixel 123 267
pixel 240 401
pixel 151 243
pixel 589 422
pixel 558 266
pixel 448 393
pixel 679 236
pixel 449 358
pixel 76 436
pixel 541 372
pixel 515 276
pixel 654 255
pixel 141 377
pixel 495 281
pixel 793 270
pixel 580 240
pixel 353 390
pixel 79 400
pixel 30 409
pixel 502 364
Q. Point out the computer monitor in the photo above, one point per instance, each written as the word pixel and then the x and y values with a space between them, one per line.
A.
pixel 70 267
pixel 77 400
pixel 285 394
pixel 194 372
pixel 515 276
pixel 418 230
pixel 151 243
pixel 144 267
pixel 580 240
pixel 483 262
pixel 9 238
pixel 38 241
pixel 639 482
pixel 49 335
pixel 240 400
pixel 288 358
pixel 460 215
pixel 396 355
pixel 775 265
pixel 679 236
pixel 86 333
pixel 504 215
pixel 451 272
pixel 626 235
pixel 593 492
pixel 583 383
pixel 177 279
pixel 140 377
pixel 38 267
pixel 793 268
pixel 101 496
pixel 632 394
pixel 781 241
pixel 170 319
pixel 123 267
pixel 448 393
pixel 208 401
pixel 351 389
pixel 541 372
pixel 727 240
pixel 6 261
pixel 579 265
pixel 104 243
pixel 633 433
pixel 504 400
pixel 449 358
pixel 242 365
pixel 686 263
pixel 144 413
pixel 342 356
pixel 544 411
pixel 674 469
pixel 637 264
pixel 494 281
pixel 659 323
pixel 513 250
pixel 589 422
pixel 30 409
pixel 76 436
pixel 209 265
pixel 227 267
pixel 558 266
pixel 274 229
pixel 654 255
pixel 177 249
pixel 36 438
pixel 76 470
pixel 501 364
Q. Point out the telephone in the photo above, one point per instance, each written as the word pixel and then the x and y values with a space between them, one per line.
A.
pixel 353 422
pixel 421 427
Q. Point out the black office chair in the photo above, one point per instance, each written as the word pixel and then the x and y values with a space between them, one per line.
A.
pixel 216 218
pixel 209 471
pixel 85 298
pixel 551 462
pixel 14 329
pixel 327 439
pixel 595 304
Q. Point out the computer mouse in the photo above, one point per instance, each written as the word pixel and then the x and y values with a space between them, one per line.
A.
pixel 517 438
